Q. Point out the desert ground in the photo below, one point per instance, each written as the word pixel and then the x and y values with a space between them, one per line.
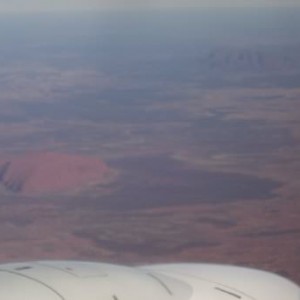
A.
pixel 153 157
pixel 182 193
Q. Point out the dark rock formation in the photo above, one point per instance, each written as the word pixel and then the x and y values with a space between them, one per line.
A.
pixel 47 173
pixel 250 60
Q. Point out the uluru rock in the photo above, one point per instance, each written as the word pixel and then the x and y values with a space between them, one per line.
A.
pixel 50 172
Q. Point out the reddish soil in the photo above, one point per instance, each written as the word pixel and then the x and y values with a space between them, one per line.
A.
pixel 48 172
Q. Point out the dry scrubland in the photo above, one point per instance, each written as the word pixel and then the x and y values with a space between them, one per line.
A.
pixel 192 196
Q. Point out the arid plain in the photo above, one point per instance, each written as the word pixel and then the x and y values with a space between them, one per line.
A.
pixel 200 166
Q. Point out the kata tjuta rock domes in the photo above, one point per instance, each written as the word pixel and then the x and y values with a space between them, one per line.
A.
pixel 51 172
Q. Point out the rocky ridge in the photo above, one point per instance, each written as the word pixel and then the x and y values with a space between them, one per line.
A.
pixel 50 172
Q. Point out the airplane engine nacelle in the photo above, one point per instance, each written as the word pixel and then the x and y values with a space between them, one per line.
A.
pixel 70 280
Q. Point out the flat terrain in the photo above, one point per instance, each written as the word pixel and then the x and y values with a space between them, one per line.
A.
pixel 204 140
pixel 207 194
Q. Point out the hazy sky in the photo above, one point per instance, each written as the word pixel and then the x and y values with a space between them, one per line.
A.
pixel 48 5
